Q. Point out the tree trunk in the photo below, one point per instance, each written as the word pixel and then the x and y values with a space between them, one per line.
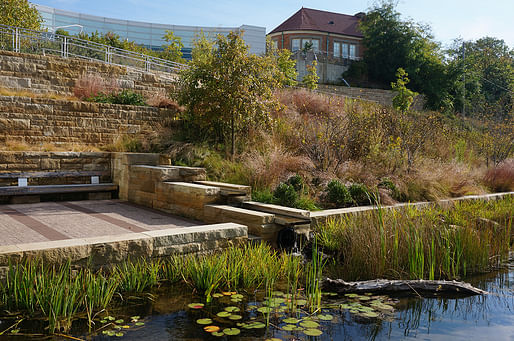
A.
pixel 413 287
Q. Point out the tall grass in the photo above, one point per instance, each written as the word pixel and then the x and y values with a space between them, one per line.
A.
pixel 412 242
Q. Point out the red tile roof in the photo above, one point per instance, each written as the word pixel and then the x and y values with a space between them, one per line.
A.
pixel 316 20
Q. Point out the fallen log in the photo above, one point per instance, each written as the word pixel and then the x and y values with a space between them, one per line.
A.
pixel 402 286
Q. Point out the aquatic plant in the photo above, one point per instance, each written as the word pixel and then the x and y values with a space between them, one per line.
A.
pixel 421 242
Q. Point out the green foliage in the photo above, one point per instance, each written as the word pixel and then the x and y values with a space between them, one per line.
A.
pixel 172 50
pixel 297 182
pixel 395 192
pixel 338 194
pixel 20 13
pixel 126 97
pixel 392 43
pixel 285 195
pixel 264 196
pixel 360 194
pixel 310 80
pixel 485 69
pixel 227 92
pixel 404 97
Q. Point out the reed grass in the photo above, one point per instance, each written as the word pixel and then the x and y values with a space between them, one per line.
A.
pixel 429 243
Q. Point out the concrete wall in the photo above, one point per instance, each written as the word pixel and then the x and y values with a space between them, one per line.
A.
pixel 43 120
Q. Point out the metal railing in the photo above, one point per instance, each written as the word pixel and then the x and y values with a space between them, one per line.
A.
pixel 18 39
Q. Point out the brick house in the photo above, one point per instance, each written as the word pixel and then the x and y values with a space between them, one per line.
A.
pixel 334 39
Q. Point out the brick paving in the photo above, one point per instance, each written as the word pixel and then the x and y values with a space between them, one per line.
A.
pixel 29 223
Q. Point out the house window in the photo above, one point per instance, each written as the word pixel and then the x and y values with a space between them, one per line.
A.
pixel 344 48
pixel 295 46
pixel 353 51
pixel 337 50
pixel 274 44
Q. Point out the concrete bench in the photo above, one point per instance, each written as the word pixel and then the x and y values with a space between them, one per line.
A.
pixel 30 193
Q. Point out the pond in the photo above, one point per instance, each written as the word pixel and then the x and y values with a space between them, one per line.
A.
pixel 177 314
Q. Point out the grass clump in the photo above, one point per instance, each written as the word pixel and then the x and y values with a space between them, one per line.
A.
pixel 417 243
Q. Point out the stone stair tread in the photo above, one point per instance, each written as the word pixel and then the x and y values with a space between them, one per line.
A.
pixel 276 209
pixel 240 210
pixel 226 187
pixel 290 221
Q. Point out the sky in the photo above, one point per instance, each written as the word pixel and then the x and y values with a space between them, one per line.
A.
pixel 449 19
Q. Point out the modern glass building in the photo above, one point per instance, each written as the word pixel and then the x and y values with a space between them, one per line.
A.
pixel 147 34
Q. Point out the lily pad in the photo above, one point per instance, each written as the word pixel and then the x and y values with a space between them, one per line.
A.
pixel 229 293
pixel 309 324
pixel 232 331
pixel 218 334
pixel 351 295
pixel 312 332
pixel 370 314
pixel 325 317
pixel 237 296
pixel 236 300
pixel 264 310
pixel 254 325
pixel 301 302
pixel 119 334
pixel 277 293
pixel 139 324
pixel 119 321
pixel 217 295
pixel 223 314
pixel 204 321
pixel 196 305
pixel 289 327
pixel 110 318
pixel 291 320
pixel 211 329
pixel 232 309
pixel 135 318
pixel 235 317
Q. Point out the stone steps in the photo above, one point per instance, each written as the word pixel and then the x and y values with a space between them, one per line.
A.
pixel 276 209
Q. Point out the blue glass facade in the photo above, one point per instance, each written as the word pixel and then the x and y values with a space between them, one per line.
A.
pixel 147 34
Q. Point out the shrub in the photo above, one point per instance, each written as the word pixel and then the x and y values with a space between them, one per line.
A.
pixel 161 100
pixel 285 195
pixel 395 192
pixel 306 203
pixel 359 193
pixel 126 97
pixel 501 178
pixel 264 196
pixel 296 181
pixel 338 194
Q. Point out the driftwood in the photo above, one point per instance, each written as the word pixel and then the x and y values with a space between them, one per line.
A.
pixel 416 287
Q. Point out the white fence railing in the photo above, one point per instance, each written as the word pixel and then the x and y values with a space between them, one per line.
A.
pixel 46 43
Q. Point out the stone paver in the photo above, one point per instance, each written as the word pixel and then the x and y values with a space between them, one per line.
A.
pixel 41 222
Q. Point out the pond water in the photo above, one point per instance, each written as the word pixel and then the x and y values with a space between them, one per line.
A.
pixel 170 316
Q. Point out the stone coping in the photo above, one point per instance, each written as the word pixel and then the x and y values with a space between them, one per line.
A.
pixel 277 209
pixel 109 249
pixel 341 211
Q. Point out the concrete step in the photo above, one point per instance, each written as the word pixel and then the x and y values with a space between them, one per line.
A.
pixel 253 239
pixel 278 210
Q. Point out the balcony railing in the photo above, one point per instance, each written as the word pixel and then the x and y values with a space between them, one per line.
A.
pixel 46 43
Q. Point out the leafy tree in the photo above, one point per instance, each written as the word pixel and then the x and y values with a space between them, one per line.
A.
pixel 20 13
pixel 311 78
pixel 227 92
pixel 286 66
pixel 392 43
pixel 173 50
pixel 404 97
pixel 484 69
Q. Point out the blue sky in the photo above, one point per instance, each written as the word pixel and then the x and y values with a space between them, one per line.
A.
pixel 468 19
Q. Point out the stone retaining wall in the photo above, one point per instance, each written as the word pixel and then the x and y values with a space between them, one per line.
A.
pixel 11 162
pixel 42 120
pixel 52 74
pixel 99 251
pixel 381 96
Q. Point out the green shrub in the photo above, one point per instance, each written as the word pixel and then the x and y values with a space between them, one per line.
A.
pixel 395 192
pixel 359 193
pixel 285 195
pixel 297 182
pixel 126 97
pixel 306 203
pixel 338 194
pixel 264 196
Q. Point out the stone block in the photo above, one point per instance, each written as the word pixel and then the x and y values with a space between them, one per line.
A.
pixel 24 199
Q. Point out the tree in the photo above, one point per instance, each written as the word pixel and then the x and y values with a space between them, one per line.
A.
pixel 227 92
pixel 286 66
pixel 20 13
pixel 172 50
pixel 484 77
pixel 310 80
pixel 404 97
pixel 391 43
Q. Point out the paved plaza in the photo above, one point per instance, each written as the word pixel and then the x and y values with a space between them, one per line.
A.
pixel 51 221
